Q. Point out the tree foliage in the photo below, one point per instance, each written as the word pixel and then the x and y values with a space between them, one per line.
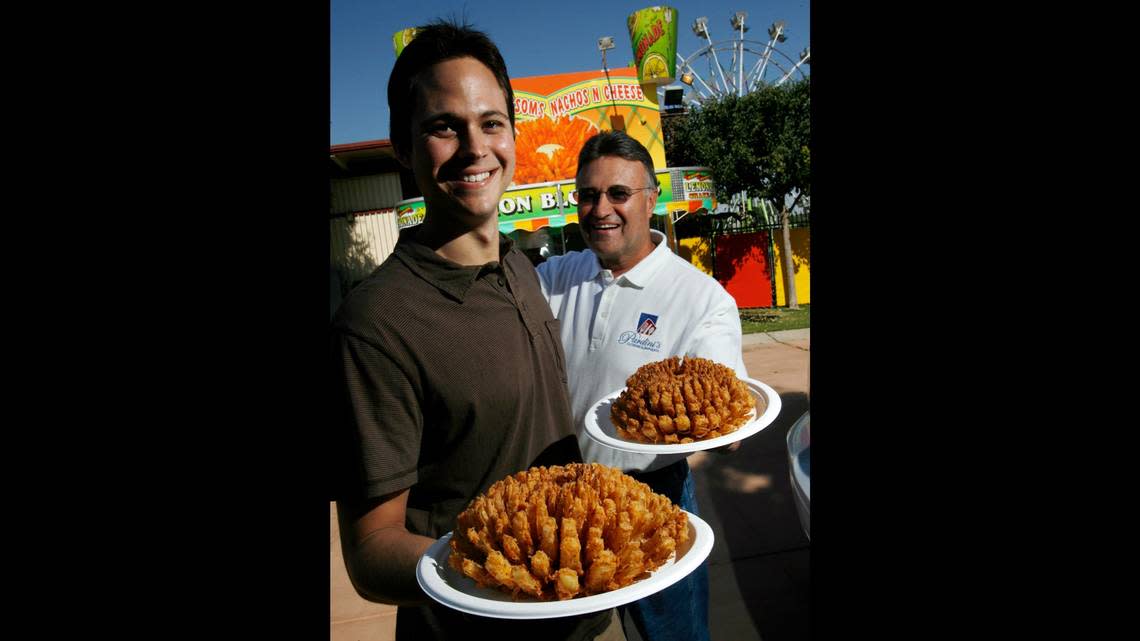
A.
pixel 759 143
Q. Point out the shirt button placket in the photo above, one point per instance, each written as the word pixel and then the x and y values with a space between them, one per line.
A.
pixel 602 325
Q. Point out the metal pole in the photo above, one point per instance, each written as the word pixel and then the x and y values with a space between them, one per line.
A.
pixel 764 61
pixel 718 65
pixel 712 92
pixel 777 29
pixel 687 68
pixel 789 74
pixel 756 75
pixel 670 234
pixel 740 62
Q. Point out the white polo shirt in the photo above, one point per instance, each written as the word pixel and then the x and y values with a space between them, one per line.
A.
pixel 662 307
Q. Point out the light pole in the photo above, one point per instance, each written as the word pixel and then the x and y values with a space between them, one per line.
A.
pixel 617 122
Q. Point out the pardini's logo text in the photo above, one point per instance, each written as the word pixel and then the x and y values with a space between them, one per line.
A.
pixel 631 338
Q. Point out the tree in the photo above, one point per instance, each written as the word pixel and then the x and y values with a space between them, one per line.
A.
pixel 757 145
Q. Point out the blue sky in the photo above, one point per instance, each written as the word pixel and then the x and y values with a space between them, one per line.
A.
pixel 536 38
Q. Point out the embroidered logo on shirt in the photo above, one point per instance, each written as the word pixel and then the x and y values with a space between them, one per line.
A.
pixel 634 340
pixel 647 324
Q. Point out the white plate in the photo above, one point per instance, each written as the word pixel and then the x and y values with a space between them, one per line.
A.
pixel 600 428
pixel 442 583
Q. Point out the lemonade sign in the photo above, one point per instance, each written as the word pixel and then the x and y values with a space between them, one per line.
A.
pixel 410 212
pixel 401 39
pixel 653 35
pixel 698 185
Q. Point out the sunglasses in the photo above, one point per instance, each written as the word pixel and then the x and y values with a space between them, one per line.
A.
pixel 616 194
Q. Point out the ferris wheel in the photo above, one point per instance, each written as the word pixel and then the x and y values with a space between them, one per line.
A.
pixel 751 64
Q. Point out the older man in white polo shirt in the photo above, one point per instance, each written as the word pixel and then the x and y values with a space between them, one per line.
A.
pixel 625 302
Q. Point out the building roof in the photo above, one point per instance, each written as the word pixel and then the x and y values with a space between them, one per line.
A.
pixel 360 158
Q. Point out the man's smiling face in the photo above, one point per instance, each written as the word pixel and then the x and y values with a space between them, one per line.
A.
pixel 618 233
pixel 463 145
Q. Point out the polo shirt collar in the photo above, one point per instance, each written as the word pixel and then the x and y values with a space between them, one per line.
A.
pixel 643 272
pixel 449 277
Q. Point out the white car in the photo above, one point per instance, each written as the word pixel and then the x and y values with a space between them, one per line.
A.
pixel 799 465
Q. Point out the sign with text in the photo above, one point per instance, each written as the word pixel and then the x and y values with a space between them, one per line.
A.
pixel 552 204
pixel 556 114
pixel 653 36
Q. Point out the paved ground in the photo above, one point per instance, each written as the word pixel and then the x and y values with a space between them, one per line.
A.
pixel 759 566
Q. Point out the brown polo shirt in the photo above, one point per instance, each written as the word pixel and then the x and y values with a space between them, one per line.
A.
pixel 450 378
pixel 447 379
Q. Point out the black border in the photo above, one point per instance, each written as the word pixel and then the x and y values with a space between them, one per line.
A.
pixel 227 325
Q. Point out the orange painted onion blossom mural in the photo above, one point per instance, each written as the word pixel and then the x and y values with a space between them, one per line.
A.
pixel 547 150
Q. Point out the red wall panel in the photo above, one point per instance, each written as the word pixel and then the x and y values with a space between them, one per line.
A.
pixel 742 268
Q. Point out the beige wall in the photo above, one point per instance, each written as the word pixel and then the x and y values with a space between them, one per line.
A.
pixel 359 247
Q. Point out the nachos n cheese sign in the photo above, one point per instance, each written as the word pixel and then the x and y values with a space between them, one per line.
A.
pixel 556 114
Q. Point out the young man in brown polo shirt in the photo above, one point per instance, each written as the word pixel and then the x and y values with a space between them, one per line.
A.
pixel 449 370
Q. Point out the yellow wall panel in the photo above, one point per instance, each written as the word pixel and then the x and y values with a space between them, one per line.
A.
pixel 801 263
pixel 697 251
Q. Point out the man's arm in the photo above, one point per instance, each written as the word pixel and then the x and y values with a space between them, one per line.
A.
pixel 378 424
pixel 718 337
pixel 379 552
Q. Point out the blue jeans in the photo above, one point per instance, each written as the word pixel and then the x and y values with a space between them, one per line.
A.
pixel 680 611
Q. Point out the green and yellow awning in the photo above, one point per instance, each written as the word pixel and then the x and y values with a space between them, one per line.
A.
pixel 550 204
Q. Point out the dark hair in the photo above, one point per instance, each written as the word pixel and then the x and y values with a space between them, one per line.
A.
pixel 434 43
pixel 616 143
